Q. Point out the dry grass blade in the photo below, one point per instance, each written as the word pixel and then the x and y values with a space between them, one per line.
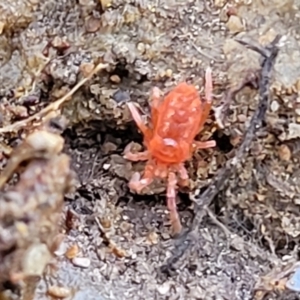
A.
pixel 54 106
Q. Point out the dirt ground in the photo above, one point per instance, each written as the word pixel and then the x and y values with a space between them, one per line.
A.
pixel 115 243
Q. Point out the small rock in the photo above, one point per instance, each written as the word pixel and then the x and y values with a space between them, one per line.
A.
pixel 141 47
pixel 235 24
pixel 284 153
pixel 82 262
pixel 293 131
pixel 72 252
pixel 121 96
pixel 268 37
pixel 274 106
pixel 164 288
pixel 37 252
pixel 86 68
pixel 105 3
pixel 106 166
pixel 242 118
pixel 115 78
pixel 59 292
pixel 92 25
pixel 60 43
pixel 294 282
pixel 106 222
pixel 220 3
pixel 169 73
pixel 153 238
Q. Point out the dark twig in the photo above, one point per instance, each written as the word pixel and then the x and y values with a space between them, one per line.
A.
pixel 221 111
pixel 204 200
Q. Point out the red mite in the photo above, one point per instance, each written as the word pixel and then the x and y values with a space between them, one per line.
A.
pixel 169 142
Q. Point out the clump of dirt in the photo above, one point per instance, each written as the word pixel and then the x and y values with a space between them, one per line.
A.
pixel 115 242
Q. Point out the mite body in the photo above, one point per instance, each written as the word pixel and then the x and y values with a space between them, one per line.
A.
pixel 169 140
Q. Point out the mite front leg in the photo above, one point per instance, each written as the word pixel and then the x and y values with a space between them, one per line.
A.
pixel 139 156
pixel 136 184
pixel 171 203
pixel 156 100
pixel 208 98
pixel 138 120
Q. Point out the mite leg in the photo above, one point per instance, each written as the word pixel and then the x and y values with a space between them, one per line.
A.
pixel 204 145
pixel 138 120
pixel 171 202
pixel 208 98
pixel 184 177
pixel 136 184
pixel 156 100
pixel 140 156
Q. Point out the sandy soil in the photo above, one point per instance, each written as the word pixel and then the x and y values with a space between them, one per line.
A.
pixel 116 242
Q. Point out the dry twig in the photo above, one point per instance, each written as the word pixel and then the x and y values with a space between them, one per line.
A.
pixel 221 111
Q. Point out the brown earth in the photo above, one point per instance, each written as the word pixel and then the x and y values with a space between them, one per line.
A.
pixel 116 242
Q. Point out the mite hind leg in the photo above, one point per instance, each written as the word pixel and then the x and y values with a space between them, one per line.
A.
pixel 137 184
pixel 171 203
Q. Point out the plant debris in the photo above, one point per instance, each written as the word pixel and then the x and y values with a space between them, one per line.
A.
pixel 31 210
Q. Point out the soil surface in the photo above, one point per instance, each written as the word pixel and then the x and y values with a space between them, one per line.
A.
pixel 111 243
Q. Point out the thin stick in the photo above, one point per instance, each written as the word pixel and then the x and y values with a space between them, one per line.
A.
pixel 269 54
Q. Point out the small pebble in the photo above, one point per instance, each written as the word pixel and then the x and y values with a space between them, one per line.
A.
pixel 121 96
pixel 92 24
pixel 153 238
pixel 60 43
pixel 105 222
pixel 105 3
pixel 125 226
pixel 235 24
pixel 86 68
pixel 164 288
pixel 284 153
pixel 220 3
pixel 115 78
pixel 294 282
pixel 274 106
pixel 242 118
pixel 59 292
pixel 106 166
pixel 169 73
pixel 141 47
pixel 72 252
pixel 82 262
pixel 293 131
